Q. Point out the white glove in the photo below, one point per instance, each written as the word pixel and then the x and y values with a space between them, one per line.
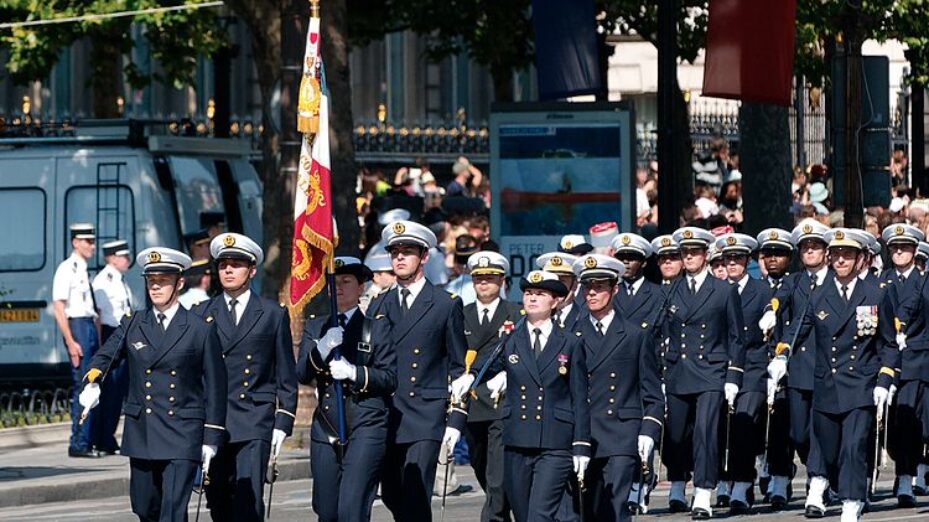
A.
pixel 880 399
pixel 646 445
pixel 330 340
pixel 277 440
pixel 580 466
pixel 207 452
pixel 767 321
pixel 497 385
pixel 772 390
pixel 460 386
pixel 890 394
pixel 451 438
pixel 731 391
pixel 901 341
pixel 89 397
pixel 342 369
pixel 777 369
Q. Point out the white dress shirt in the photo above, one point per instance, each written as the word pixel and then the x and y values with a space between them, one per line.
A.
pixel 414 288
pixel 72 285
pixel 605 322
pixel 490 307
pixel 700 277
pixel 241 303
pixel 114 299
pixel 546 328
pixel 169 314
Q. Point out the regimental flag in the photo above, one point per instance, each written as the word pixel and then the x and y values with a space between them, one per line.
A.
pixel 750 50
pixel 313 242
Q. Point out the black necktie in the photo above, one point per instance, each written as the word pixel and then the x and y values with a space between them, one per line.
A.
pixel 557 317
pixel 693 286
pixel 486 318
pixel 161 321
pixel 845 292
pixel 404 301
pixel 537 344
pixel 342 320
pixel 902 278
pixel 599 326
pixel 629 289
pixel 232 314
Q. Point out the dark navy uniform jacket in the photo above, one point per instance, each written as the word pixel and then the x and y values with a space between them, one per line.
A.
pixel 913 312
pixel 365 398
pixel 545 407
pixel 258 353
pixel 625 388
pixel 177 385
pixel 430 345
pixel 792 304
pixel 706 348
pixel 642 306
pixel 483 339
pixel 855 347
pixel 755 298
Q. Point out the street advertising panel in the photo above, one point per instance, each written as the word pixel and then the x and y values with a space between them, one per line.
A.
pixel 556 169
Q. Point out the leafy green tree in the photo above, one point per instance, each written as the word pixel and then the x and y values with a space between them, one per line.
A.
pixel 174 40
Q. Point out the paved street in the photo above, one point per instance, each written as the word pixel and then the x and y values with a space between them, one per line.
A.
pixel 292 503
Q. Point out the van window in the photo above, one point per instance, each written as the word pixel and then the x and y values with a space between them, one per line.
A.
pixel 197 190
pixel 110 207
pixel 22 229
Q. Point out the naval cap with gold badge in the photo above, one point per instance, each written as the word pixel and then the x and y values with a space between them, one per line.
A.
pixel 874 246
pixel 556 262
pixel 83 231
pixel 664 245
pixel 902 233
pixel 574 244
pixel 922 250
pixel 774 239
pixel 161 260
pixel 379 261
pixel 405 232
pixel 486 262
pixel 809 228
pixel 847 237
pixel 735 243
pixel 597 266
pixel 713 253
pixel 694 236
pixel 394 214
pixel 631 244
pixel 230 245
pixel 348 265
pixel 542 280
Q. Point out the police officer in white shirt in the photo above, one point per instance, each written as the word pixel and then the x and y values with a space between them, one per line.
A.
pixel 75 314
pixel 114 300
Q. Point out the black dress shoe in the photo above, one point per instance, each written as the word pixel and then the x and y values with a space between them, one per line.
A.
pixel 814 512
pixel 699 514
pixel 906 501
pixel 919 491
pixel 677 506
pixel 83 454
pixel 737 507
pixel 778 503
pixel 461 490
pixel 722 501
pixel 632 507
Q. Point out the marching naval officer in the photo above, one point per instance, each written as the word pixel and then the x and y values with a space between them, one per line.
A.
pixel 626 404
pixel 346 477
pixel 177 391
pixel 746 424
pixel 254 333
pixel 487 321
pixel 792 301
pixel 428 336
pixel 637 299
pixel 855 358
pixel 668 256
pixel 114 299
pixel 546 415
pixel 569 308
pixel 75 313
pixel 704 369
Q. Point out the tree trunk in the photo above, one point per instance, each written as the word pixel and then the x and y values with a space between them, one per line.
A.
pixel 503 83
pixel 341 147
pixel 106 61
pixel 264 24
pixel 682 170
pixel 766 167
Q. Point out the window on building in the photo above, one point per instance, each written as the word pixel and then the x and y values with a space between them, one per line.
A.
pixel 22 229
